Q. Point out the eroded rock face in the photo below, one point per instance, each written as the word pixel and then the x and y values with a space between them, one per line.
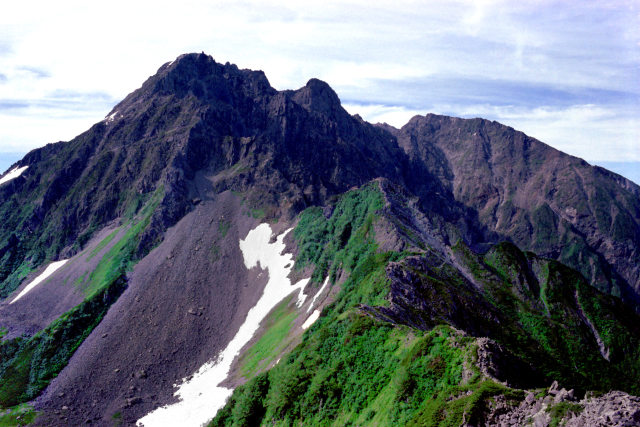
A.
pixel 497 363
pixel 291 149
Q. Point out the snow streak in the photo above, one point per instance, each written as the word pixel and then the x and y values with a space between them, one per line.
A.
pixel 201 396
pixel 13 173
pixel 51 268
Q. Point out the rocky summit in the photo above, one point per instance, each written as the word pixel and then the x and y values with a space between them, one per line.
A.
pixel 219 252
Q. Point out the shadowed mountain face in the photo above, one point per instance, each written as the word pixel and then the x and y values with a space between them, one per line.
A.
pixel 149 206
pixel 290 149
pixel 538 197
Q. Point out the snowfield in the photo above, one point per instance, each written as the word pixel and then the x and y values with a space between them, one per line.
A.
pixel 51 268
pixel 310 321
pixel 201 396
pixel 14 173
pixel 315 297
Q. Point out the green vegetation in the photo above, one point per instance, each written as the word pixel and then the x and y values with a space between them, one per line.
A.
pixel 27 365
pixel 15 264
pixel 14 279
pixel 20 415
pixel 80 281
pixel 215 250
pixel 223 227
pixel 55 210
pixel 353 368
pixel 117 418
pixel 545 304
pixel 357 370
pixel 463 404
pixel 121 256
pixel 562 410
pixel 258 213
pixel 342 240
pixel 104 242
pixel 135 201
pixel 273 341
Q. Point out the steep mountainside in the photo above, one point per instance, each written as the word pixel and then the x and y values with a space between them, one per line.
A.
pixel 214 233
pixel 538 197
pixel 381 355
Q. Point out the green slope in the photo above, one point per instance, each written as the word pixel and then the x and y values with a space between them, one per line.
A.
pixel 392 348
pixel 29 363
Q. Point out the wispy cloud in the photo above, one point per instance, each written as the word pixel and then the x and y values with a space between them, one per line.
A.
pixel 5 48
pixel 393 115
pixel 36 72
pixel 579 130
pixel 526 62
pixel 61 100
pixel 437 89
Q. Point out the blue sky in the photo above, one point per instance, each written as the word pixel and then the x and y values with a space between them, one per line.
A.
pixel 565 72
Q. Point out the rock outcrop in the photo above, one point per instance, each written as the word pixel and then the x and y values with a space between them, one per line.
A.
pixel 560 407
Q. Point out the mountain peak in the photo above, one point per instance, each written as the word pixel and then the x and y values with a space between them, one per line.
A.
pixel 318 96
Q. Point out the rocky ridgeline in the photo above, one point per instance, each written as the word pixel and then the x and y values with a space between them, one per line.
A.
pixel 558 406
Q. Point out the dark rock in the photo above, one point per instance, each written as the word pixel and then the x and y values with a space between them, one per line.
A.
pixel 133 401
pixel 540 198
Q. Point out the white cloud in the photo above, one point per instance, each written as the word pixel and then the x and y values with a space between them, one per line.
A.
pixel 33 127
pixel 113 48
pixel 392 115
pixel 591 132
pixel 588 131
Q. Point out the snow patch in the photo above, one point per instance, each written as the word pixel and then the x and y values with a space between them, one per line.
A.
pixel 201 396
pixel 311 320
pixel 604 351
pixel 51 268
pixel 13 173
pixel 315 297
pixel 257 251
pixel 112 117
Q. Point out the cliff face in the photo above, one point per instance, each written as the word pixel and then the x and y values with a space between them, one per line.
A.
pixel 401 232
